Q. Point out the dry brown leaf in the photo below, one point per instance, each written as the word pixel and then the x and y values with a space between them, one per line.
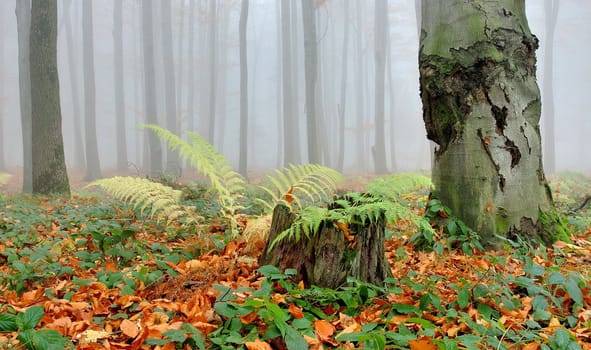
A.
pixel 531 346
pixel 257 345
pixel 295 311
pixel 249 318
pixel 323 329
pixel 129 328
pixel 422 344
pixel 92 336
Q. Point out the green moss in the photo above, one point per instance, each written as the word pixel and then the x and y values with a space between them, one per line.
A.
pixel 501 221
pixel 553 225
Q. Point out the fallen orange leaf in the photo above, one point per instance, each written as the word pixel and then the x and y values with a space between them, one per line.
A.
pixel 129 328
pixel 257 345
pixel 324 329
pixel 295 311
pixel 422 344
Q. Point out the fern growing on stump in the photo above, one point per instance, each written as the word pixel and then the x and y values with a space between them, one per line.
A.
pixel 328 244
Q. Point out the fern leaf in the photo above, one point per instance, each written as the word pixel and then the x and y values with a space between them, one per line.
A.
pixel 310 183
pixel 228 183
pixel 163 201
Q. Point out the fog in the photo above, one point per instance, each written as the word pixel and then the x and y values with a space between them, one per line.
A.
pixel 195 65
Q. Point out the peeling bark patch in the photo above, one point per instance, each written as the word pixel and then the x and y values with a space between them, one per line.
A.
pixel 512 148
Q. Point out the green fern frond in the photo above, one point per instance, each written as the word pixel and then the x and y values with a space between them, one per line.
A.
pixel 392 187
pixel 162 201
pixel 202 156
pixel 307 183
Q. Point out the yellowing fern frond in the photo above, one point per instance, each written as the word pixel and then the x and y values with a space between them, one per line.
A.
pixel 162 201
pixel 307 183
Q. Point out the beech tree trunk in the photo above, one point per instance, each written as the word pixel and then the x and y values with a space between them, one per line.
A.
pixel 327 258
pixel 481 105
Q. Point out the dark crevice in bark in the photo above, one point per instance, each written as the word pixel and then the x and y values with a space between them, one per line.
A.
pixel 513 150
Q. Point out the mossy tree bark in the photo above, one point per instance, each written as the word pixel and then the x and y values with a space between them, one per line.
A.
pixel 481 105
pixel 49 173
pixel 327 257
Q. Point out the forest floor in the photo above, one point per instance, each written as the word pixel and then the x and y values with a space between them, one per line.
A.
pixel 93 273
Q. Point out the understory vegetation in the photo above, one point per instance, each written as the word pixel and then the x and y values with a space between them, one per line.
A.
pixel 158 264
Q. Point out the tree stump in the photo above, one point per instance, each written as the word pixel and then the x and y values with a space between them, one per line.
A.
pixel 327 257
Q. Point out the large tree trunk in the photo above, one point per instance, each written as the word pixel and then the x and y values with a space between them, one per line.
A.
pixel 119 88
pixel 481 105
pixel 155 149
pixel 48 161
pixel 93 167
pixel 243 161
pixel 551 7
pixel 23 20
pixel 327 257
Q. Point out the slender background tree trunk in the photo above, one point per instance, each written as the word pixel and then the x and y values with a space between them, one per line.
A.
pixel 79 147
pixel 119 88
pixel 243 161
pixel 172 158
pixel 23 20
pixel 93 167
pixel 154 146
pixel 551 7
pixel 381 35
pixel 48 161
pixel 311 74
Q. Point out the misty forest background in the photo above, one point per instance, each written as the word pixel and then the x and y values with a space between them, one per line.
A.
pixel 197 82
